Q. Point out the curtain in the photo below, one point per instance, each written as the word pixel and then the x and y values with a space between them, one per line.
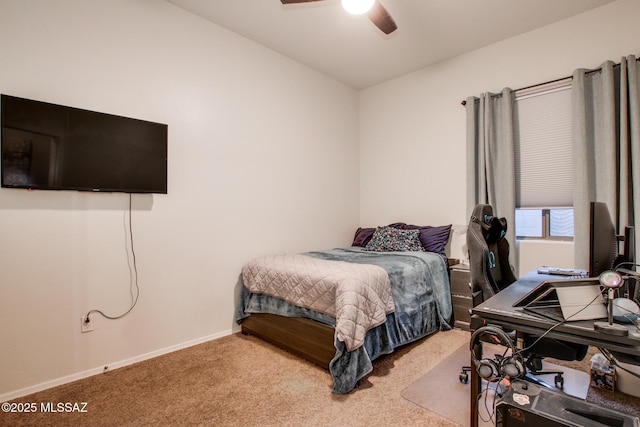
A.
pixel 606 133
pixel 491 158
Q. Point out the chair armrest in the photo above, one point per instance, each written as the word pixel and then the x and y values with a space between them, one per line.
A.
pixel 476 298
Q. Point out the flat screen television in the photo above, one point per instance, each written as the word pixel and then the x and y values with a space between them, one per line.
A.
pixel 54 147
pixel 603 240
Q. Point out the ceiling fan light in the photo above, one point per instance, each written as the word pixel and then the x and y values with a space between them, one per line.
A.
pixel 357 7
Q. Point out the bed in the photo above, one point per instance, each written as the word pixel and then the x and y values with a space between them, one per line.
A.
pixel 385 291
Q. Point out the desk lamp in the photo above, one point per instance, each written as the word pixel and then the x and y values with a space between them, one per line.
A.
pixel 612 281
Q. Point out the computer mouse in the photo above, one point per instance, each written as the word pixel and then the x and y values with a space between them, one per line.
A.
pixel 625 310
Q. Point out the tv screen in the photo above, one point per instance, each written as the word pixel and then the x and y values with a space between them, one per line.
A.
pixel 54 147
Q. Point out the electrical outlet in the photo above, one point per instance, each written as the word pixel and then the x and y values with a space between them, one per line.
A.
pixel 85 326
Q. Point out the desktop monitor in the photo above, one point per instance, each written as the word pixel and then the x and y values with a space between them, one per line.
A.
pixel 603 240
pixel 626 262
pixel 629 254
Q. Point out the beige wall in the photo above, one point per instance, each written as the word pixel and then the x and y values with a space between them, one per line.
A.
pixel 263 156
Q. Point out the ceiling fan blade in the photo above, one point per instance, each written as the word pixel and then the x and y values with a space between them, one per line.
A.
pixel 381 18
pixel 297 1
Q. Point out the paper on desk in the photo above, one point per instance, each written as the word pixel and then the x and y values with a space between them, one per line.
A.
pixel 581 302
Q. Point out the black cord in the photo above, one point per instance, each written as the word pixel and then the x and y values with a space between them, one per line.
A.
pixel 632 265
pixel 135 273
pixel 562 322
pixel 613 361
pixel 631 316
pixel 486 405
pixel 497 393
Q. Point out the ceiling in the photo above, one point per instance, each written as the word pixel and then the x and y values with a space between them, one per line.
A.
pixel 352 50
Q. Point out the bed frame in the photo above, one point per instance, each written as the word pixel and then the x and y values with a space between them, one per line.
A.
pixel 311 340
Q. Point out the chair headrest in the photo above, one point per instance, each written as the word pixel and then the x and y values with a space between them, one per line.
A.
pixel 494 229
pixel 497 229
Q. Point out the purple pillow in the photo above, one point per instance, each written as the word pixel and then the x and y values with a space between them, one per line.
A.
pixel 434 239
pixel 362 237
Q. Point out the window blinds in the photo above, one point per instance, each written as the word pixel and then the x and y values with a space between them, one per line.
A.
pixel 543 146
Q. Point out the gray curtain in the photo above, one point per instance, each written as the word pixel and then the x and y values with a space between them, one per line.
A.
pixel 490 158
pixel 606 111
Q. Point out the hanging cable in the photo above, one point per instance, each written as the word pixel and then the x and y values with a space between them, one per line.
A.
pixel 562 322
pixel 134 279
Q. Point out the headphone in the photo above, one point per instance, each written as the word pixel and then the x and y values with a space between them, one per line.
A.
pixel 495 369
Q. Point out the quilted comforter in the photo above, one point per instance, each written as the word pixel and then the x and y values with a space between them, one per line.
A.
pixel 358 296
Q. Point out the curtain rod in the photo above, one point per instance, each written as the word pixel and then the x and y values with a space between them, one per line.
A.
pixel 464 101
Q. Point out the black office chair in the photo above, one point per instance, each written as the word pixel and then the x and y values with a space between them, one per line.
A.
pixel 491 272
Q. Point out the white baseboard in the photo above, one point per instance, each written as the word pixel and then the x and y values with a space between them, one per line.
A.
pixel 108 367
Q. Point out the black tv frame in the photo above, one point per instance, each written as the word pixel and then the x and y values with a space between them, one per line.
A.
pixel 45 146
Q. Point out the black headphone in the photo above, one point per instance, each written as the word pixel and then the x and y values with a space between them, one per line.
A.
pixel 497 368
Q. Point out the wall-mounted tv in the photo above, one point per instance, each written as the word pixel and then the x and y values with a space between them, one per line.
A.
pixel 54 147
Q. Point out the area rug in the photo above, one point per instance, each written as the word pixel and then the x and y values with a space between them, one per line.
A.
pixel 440 390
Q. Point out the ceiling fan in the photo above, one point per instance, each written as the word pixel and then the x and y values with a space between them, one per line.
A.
pixel 374 10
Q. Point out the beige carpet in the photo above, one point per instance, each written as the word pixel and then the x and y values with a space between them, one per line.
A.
pixel 243 381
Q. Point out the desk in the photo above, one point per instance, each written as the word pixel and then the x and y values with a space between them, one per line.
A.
pixel 499 310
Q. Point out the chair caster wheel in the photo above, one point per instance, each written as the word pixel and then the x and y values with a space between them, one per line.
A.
pixel 464 377
pixel 559 381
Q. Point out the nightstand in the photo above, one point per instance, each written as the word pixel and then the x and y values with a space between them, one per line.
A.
pixel 461 295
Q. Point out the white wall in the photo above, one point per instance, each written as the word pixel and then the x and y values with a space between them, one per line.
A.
pixel 535 253
pixel 413 128
pixel 263 158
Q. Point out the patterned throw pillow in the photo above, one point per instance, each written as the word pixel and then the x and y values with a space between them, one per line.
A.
pixel 390 239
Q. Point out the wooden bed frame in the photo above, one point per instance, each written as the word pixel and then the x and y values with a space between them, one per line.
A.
pixel 311 340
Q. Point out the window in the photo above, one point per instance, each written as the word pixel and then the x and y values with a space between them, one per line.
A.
pixel 544 164
pixel 554 224
pixel 529 223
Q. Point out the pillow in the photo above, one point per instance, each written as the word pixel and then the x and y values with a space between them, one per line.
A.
pixel 390 239
pixel 362 237
pixel 433 239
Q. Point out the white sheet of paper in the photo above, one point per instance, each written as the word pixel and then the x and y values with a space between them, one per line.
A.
pixel 581 302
